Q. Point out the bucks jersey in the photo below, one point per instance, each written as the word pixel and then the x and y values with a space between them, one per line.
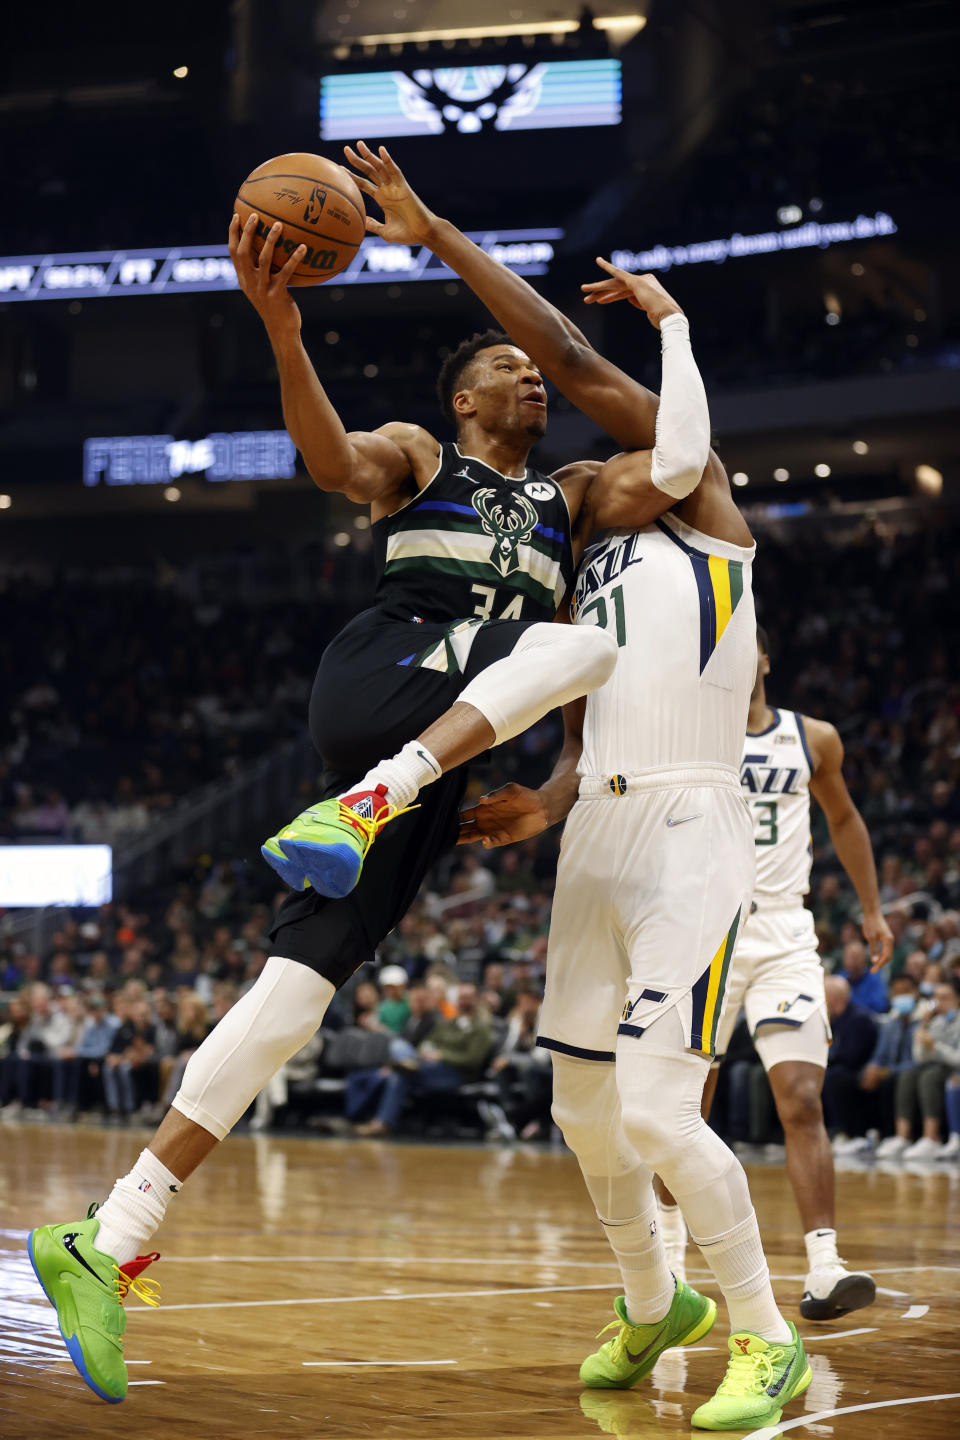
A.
pixel 775 774
pixel 474 543
pixel 681 607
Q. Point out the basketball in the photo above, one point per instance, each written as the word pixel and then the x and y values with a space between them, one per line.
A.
pixel 319 205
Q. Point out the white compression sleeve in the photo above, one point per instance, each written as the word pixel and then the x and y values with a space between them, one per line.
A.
pixel 271 1022
pixel 683 419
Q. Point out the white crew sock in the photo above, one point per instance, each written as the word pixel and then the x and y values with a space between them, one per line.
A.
pixel 821 1249
pixel 737 1260
pixel 405 775
pixel 134 1208
pixel 648 1285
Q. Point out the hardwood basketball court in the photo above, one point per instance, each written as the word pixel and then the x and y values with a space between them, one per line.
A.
pixel 339 1289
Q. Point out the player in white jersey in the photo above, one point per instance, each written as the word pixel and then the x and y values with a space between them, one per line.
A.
pixel 776 976
pixel 655 879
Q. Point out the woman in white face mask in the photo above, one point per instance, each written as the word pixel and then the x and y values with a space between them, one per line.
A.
pixel 936 1053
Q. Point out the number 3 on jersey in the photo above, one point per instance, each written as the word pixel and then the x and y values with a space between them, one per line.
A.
pixel 600 606
pixel 768 833
pixel 488 595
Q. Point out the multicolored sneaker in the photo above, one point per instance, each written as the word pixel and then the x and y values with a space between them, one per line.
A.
pixel 635 1349
pixel 86 1287
pixel 761 1378
pixel 832 1290
pixel 326 845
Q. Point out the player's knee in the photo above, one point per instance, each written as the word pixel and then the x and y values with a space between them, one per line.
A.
pixel 593 654
pixel 584 1109
pixel 800 1106
pixel 653 1129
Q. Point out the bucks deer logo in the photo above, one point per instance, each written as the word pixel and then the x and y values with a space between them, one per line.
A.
pixel 510 522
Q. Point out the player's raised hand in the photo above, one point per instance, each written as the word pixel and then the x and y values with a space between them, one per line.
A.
pixel 879 938
pixel 643 291
pixel 504 816
pixel 406 220
pixel 266 291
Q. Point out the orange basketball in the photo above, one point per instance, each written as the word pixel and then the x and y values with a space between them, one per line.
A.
pixel 319 205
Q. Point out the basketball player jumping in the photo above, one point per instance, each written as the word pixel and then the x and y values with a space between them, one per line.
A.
pixel 776 975
pixel 657 869
pixel 474 551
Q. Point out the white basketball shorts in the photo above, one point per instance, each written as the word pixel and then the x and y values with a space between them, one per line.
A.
pixel 655 878
pixel 777 979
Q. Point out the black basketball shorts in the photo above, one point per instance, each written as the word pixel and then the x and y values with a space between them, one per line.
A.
pixel 380 683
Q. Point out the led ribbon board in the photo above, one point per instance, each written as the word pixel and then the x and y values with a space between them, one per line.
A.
pixel 468 99
pixel 811 236
pixel 181 271
pixel 158 459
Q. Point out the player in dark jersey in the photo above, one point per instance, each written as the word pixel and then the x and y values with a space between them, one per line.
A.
pixel 473 552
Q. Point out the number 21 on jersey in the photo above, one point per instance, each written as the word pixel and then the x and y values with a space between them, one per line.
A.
pixel 599 606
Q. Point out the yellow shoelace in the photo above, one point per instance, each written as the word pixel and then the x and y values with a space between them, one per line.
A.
pixel 370 829
pixel 144 1288
pixel 749 1374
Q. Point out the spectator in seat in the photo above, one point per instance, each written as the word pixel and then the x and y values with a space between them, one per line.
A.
pixel 393 1012
pixel 50 1029
pixel 866 1101
pixel 77 1077
pixel 193 1027
pixel 12 1026
pixel 866 988
pixel 854 1040
pixel 921 1086
pixel 523 1076
pixel 130 1071
pixel 453 1055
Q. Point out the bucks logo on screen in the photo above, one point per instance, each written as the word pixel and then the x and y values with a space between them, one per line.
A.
pixel 510 522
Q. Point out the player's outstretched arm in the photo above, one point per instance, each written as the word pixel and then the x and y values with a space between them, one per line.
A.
pixel 366 467
pixel 849 834
pixel 680 472
pixel 621 406
pixel 515 812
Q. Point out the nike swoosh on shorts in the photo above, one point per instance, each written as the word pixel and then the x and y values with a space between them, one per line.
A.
pixel 682 819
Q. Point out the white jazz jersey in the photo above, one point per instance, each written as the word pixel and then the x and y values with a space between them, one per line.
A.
pixel 681 607
pixel 775 775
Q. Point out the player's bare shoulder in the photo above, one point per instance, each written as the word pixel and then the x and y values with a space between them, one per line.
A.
pixel 824 744
pixel 575 480
pixel 418 445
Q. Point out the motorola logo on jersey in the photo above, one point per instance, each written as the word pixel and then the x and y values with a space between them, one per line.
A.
pixel 540 490
pixel 510 521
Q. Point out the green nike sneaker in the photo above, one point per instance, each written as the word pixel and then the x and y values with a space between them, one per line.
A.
pixel 86 1287
pixel 326 845
pixel 635 1349
pixel 761 1378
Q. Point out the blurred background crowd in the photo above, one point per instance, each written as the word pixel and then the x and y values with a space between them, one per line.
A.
pixel 158 640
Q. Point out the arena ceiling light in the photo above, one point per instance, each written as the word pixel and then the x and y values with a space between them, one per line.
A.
pixel 821 471
pixel 740 477
pixel 929 479
pixel 620 28
pixel 860 447
pixel 781 474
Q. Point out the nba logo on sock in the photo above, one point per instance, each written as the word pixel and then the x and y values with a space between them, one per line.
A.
pixel 144 1186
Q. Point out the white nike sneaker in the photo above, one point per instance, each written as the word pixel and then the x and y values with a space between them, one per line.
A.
pixel 832 1290
pixel 856 1145
pixel 673 1230
pixel 892 1148
pixel 924 1149
pixel 951 1150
